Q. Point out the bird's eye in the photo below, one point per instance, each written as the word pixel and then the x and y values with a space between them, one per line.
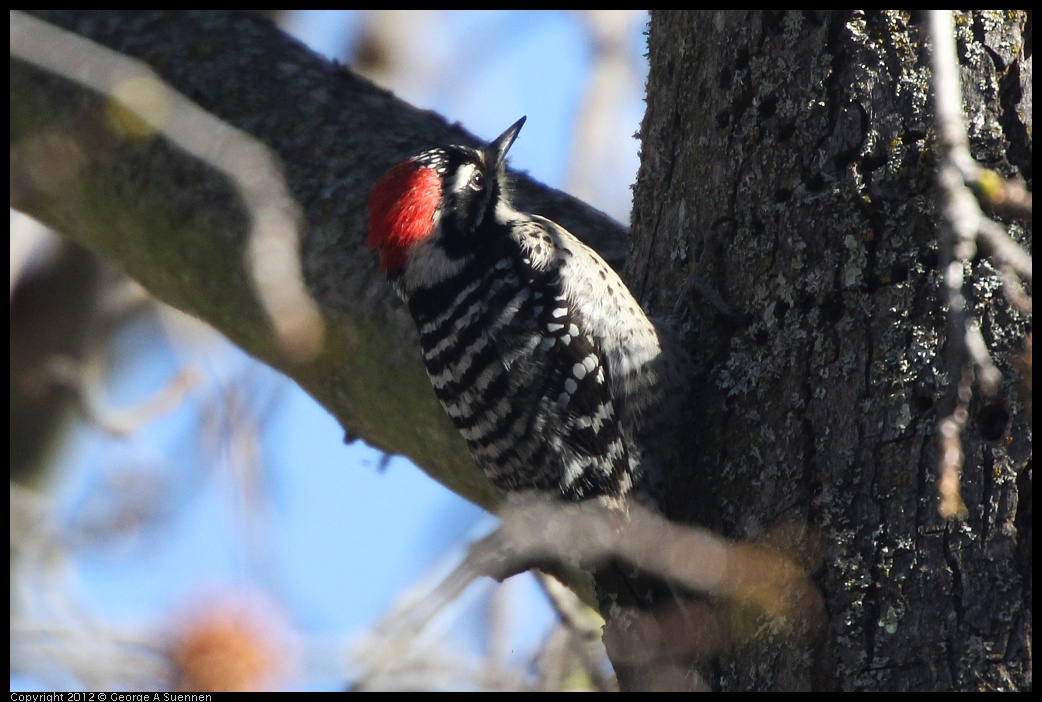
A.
pixel 477 180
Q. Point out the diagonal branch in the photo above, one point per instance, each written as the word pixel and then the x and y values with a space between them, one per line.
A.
pixel 181 227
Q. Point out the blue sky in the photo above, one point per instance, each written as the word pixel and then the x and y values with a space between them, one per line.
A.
pixel 323 528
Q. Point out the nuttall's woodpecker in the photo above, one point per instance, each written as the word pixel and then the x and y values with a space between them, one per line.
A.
pixel 535 347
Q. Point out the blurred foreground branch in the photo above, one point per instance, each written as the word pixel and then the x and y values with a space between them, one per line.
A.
pixel 767 585
pixel 964 228
pixel 144 104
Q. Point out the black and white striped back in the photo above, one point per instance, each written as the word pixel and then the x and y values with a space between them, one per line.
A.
pixel 508 356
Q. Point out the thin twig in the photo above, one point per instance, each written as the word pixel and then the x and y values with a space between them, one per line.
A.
pixel 583 629
pixel 963 227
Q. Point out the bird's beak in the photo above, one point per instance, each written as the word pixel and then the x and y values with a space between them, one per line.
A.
pixel 496 151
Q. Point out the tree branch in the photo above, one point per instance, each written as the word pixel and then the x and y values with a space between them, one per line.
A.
pixel 181 228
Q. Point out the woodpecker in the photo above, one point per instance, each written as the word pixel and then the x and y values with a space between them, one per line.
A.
pixel 536 349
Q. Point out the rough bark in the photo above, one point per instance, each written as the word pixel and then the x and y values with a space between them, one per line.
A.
pixel 786 192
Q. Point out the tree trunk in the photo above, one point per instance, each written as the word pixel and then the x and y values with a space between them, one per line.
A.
pixel 786 190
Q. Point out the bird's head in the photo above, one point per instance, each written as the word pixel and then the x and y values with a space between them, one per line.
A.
pixel 437 198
